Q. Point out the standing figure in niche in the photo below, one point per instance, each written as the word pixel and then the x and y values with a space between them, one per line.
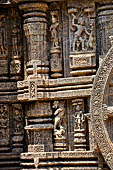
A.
pixel 91 36
pixel 18 121
pixel 59 113
pixel 59 130
pixel 79 117
pixel 15 40
pixel 54 29
pixel 2 36
pixel 3 120
pixel 80 30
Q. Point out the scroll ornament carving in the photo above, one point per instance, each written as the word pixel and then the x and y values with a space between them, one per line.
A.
pixel 15 66
pixel 32 89
pixel 98 109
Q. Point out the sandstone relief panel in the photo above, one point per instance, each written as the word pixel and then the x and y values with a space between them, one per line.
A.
pixel 52 116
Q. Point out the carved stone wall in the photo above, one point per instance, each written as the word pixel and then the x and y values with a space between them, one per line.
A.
pixel 52 116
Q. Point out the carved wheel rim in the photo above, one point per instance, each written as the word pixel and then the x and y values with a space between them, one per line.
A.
pixel 101 134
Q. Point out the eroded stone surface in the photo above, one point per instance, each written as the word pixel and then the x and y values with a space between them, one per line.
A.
pixel 50 51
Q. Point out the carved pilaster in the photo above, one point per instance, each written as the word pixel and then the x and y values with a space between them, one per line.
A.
pixel 79 124
pixel 18 128
pixel 35 27
pixel 92 140
pixel 104 28
pixel 4 126
pixel 16 43
pixel 82 38
pixel 39 127
pixel 3 46
pixel 55 51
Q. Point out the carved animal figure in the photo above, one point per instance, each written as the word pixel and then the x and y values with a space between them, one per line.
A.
pixel 59 113
pixel 59 133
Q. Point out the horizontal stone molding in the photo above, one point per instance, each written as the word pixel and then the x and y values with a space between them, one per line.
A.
pixel 53 89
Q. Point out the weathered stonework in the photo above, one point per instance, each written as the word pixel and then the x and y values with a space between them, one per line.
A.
pixel 56 85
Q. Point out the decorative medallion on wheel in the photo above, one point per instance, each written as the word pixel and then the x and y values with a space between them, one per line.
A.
pixel 102 107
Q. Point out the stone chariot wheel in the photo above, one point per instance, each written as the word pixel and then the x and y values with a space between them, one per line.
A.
pixel 102 107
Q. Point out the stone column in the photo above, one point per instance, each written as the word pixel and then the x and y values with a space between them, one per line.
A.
pixel 35 27
pixel 55 50
pixel 79 125
pixel 104 28
pixel 3 47
pixel 38 114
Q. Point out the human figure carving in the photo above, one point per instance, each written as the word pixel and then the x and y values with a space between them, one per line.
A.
pixel 91 36
pixel 59 130
pixel 73 28
pixel 80 29
pixel 59 113
pixel 2 36
pixel 54 29
pixel 18 121
pixel 79 117
pixel 3 119
pixel 60 133
pixel 15 40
